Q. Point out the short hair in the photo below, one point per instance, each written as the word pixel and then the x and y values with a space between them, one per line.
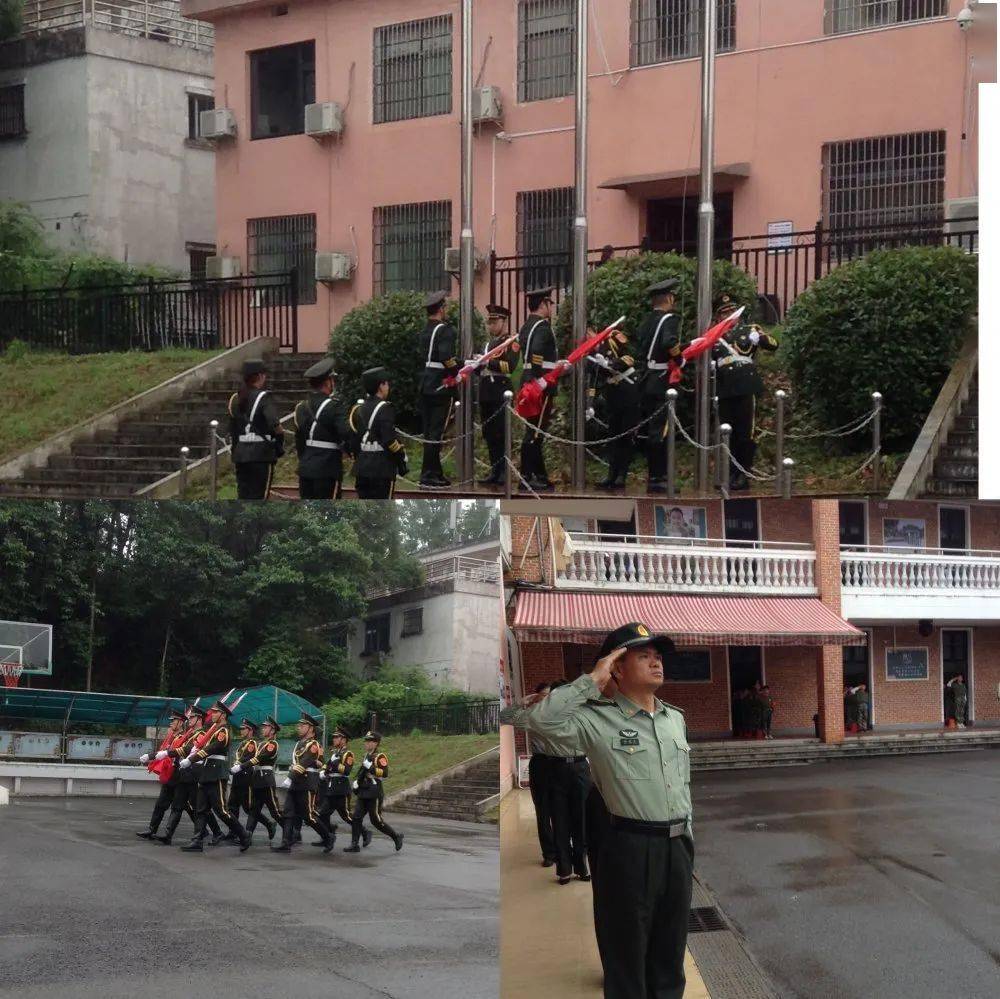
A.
pixel 558 683
pixel 318 381
pixel 539 687
pixel 534 301
pixel 661 296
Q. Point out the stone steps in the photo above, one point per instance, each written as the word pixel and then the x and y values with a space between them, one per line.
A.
pixel 456 796
pixel 947 487
pixel 75 462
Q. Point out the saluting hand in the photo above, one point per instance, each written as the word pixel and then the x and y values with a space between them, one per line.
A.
pixel 601 673
pixel 367 764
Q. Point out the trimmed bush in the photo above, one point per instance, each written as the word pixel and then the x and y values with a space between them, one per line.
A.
pixel 892 321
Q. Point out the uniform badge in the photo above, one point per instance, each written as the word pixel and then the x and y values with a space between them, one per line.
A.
pixel 643 630
pixel 628 737
pixel 515 346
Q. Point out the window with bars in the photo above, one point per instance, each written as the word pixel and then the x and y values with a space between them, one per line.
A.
pixel 413 622
pixel 663 30
pixel 12 123
pixel 545 236
pixel 409 243
pixel 412 64
pixel 196 104
pixel 376 635
pixel 857 15
pixel 198 254
pixel 282 83
pixel 884 180
pixel 546 49
pixel 279 244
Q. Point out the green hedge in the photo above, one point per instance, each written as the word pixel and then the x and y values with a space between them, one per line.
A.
pixel 892 321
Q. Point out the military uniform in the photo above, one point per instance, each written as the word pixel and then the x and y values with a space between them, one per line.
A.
pixel 961 695
pixel 256 436
pixel 335 787
pixel 381 455
pixel 494 381
pixel 167 787
pixel 261 765
pixel 537 344
pixel 321 432
pixel 617 381
pixel 303 784
pixel 369 796
pixel 737 385
pixel 185 785
pixel 568 779
pixel 644 870
pixel 541 798
pixel 439 348
pixel 241 782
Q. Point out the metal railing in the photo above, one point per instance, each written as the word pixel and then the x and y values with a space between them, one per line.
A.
pixel 840 16
pixel 920 571
pixel 460 718
pixel 160 21
pixel 442 570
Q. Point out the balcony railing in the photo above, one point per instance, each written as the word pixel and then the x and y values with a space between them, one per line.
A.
pixel 920 571
pixel 455 567
pixel 161 21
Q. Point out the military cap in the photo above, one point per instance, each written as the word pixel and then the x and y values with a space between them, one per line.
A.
pixel 667 287
pixel 341 731
pixel 372 378
pixel 246 723
pixel 220 705
pixel 371 736
pixel 270 720
pixel 542 292
pixel 434 299
pixel 633 635
pixel 196 709
pixel 254 367
pixel 725 303
pixel 176 714
pixel 310 719
pixel 497 311
pixel 321 369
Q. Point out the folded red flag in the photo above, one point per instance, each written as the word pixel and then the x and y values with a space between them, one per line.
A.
pixel 705 342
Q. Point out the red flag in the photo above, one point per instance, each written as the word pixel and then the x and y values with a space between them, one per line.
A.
pixel 451 380
pixel 705 342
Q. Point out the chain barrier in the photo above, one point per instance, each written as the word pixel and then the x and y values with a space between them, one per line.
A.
pixel 846 430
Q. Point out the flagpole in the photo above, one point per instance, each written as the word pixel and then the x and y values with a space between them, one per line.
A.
pixel 579 466
pixel 706 233
pixel 466 450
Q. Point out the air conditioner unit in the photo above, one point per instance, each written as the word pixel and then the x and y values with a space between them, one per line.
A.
pixel 453 261
pixel 487 104
pixel 223 267
pixel 334 266
pixel 324 119
pixel 961 223
pixel 218 123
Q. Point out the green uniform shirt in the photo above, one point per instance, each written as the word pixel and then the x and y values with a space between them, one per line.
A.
pixel 558 745
pixel 641 763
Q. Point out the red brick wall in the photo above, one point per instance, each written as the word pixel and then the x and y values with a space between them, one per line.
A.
pixel 790 673
pixel 787 521
pixel 705 705
pixel 906 702
pixel 984 527
pixel 529 541
pixel 881 509
pixel 985 673
pixel 830 661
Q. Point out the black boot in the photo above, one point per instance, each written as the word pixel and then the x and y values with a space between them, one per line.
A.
pixel 195 846
pixel 287 832
pixel 366 837
pixel 148 834
pixel 271 827
pixel 172 823
pixel 398 840
pixel 353 848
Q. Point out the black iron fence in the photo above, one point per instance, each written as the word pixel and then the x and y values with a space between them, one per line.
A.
pixel 782 265
pixel 152 315
pixel 464 718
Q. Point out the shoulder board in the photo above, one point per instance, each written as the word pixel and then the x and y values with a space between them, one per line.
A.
pixel 232 399
pixel 382 760
pixel 672 706
pixel 271 745
pixel 601 702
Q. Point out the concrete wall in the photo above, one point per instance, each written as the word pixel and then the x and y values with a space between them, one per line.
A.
pixel 476 638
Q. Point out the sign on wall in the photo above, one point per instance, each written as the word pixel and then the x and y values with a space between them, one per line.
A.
pixel 688 666
pixel 906 664
pixel 779 235
pixel 903 532
pixel 522 770
pixel 681 522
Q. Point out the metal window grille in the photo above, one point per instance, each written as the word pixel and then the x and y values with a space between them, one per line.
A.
pixel 376 635
pixel 413 622
pixel 282 83
pixel 857 15
pixel 546 49
pixel 12 122
pixel 196 104
pixel 545 236
pixel 279 244
pixel 409 244
pixel 413 69
pixel 884 180
pixel 663 30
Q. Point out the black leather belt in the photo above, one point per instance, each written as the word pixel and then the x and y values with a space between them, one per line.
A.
pixel 566 759
pixel 670 829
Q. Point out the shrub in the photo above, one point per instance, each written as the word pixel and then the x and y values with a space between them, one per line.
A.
pixel 892 322
pixel 10 18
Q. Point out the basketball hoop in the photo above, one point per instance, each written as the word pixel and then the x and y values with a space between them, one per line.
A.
pixel 11 673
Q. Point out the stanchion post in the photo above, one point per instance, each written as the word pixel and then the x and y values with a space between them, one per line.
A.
pixel 726 433
pixel 779 436
pixel 671 443
pixel 787 465
pixel 182 487
pixel 877 442
pixel 508 469
pixel 213 459
pixel 716 465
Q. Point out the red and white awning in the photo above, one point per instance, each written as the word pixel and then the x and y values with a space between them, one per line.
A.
pixel 586 618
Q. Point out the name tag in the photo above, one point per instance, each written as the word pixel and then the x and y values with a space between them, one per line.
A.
pixel 628 737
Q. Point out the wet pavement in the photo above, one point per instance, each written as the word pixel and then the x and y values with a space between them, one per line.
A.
pixel 862 878
pixel 90 910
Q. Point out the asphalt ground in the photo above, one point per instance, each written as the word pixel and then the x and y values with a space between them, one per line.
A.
pixel 861 878
pixel 87 909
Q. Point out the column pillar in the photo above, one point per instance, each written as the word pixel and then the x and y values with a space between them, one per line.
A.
pixel 829 658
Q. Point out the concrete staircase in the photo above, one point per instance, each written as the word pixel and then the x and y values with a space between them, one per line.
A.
pixel 145 446
pixel 464 792
pixel 956 467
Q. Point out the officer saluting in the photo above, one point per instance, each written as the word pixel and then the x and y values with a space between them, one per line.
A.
pixel 439 348
pixel 303 783
pixel 255 433
pixel 538 349
pixel 617 382
pixel 381 455
pixel 368 786
pixel 657 341
pixel 639 756
pixel 261 766
pixel 494 380
pixel 321 430
pixel 737 385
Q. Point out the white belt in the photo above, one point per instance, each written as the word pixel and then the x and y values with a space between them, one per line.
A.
pixel 658 365
pixel 326 445
pixel 372 447
pixel 254 439
pixel 734 359
pixel 265 768
pixel 550 364
pixel 216 757
pixel 434 364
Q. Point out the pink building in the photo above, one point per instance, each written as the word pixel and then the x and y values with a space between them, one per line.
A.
pixel 845 112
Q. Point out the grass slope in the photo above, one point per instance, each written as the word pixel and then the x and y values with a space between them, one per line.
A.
pixel 413 758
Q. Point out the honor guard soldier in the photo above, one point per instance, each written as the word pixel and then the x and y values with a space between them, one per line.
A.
pixel 494 381
pixel 302 783
pixel 640 759
pixel 255 432
pixel 657 342
pixel 617 381
pixel 241 783
pixel 175 738
pixel 321 430
pixel 439 348
pixel 539 355
pixel 737 385
pixel 209 760
pixel 335 783
pixel 261 766
pixel 369 794
pixel 381 455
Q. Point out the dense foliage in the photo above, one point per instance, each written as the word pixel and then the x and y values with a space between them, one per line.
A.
pixel 11 18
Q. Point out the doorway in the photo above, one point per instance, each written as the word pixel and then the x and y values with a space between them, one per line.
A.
pixel 858 672
pixel 956 660
pixel 853 524
pixel 746 668
pixel 742 520
pixel 953 528
pixel 672 224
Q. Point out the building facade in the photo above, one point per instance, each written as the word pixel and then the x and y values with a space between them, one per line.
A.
pixel 848 114
pixel 807 596
pixel 99 130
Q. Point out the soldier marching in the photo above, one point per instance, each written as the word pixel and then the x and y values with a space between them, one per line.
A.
pixel 369 794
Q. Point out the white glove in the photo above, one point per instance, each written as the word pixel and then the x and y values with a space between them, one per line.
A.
pixel 367 764
pixel 590 414
pixel 541 383
pixel 235 769
pixel 162 754
pixel 185 763
pixel 287 782
pixel 145 758
pixel 754 337
pixel 564 365
pixel 354 786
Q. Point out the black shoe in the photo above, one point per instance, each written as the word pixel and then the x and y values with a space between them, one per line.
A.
pixel 245 844
pixel 330 844
pixel 165 840
pixel 193 847
pixel 271 827
pixel 399 842
pixel 148 834
pixel 353 848
pixel 548 863
pixel 366 837
pixel 319 842
pixel 584 876
pixel 564 879
pixel 434 481
pixel 220 837
pixel 283 848
pixel 542 485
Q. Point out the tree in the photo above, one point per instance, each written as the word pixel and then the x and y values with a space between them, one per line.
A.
pixel 431 524
pixel 11 18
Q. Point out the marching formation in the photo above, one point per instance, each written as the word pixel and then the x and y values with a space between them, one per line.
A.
pixel 630 376
pixel 193 767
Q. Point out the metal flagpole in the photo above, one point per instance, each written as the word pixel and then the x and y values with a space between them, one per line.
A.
pixel 467 464
pixel 706 232
pixel 579 467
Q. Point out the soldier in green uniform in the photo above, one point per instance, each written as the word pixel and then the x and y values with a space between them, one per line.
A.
pixel 640 759
pixel 961 694
pixel 494 381
pixel 261 767
pixel 657 343
pixel 737 385
pixel 321 433
pixel 381 455
pixel 369 794
pixel 241 782
pixel 302 783
pixel 255 433
pixel 335 783
pixel 617 381
pixel 439 348
pixel 539 355
pixel 850 709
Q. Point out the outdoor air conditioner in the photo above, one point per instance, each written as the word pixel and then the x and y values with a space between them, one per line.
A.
pixel 218 123
pixel 961 223
pixel 333 266
pixel 223 267
pixel 453 260
pixel 487 105
pixel 324 119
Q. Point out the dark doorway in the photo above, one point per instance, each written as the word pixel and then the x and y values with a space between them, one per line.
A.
pixel 853 533
pixel 672 223
pixel 746 667
pixel 954 528
pixel 956 661
pixel 741 519
pixel 857 671
pixel 611 530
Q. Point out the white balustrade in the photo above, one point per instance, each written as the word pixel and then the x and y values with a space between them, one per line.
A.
pixel 915 572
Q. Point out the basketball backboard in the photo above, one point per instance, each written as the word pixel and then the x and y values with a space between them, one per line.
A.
pixel 28 644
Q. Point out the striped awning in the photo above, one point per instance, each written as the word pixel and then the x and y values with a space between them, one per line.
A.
pixel 586 618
